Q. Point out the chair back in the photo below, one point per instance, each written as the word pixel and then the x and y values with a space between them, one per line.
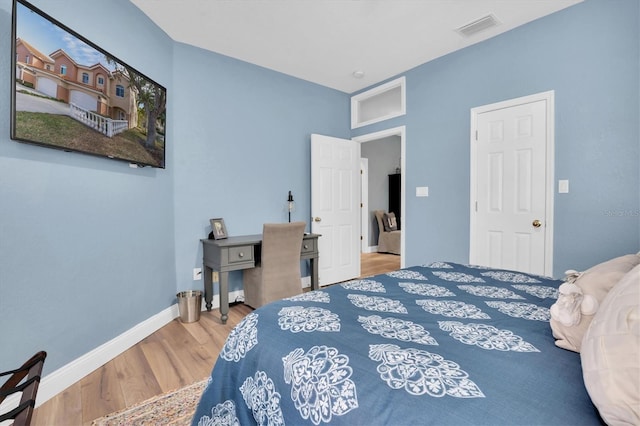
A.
pixel 281 243
pixel 278 274
pixel 380 217
pixel 26 380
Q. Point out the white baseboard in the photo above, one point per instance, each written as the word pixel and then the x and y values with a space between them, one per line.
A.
pixel 57 381
pixel 65 376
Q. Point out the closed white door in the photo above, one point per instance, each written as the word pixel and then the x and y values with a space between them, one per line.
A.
pixel 510 215
pixel 335 207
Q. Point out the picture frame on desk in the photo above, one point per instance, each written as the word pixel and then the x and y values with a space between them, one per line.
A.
pixel 218 230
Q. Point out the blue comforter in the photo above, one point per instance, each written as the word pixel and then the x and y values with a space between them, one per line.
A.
pixel 442 344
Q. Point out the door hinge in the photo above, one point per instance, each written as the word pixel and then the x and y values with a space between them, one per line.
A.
pixel 361 206
pixel 476 135
pixel 476 206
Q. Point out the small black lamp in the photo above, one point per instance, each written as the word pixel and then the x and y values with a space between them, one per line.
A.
pixel 290 205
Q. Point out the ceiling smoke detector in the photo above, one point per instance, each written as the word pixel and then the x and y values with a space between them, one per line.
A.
pixel 478 25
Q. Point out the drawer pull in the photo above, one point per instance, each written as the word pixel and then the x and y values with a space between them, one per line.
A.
pixel 240 254
pixel 306 246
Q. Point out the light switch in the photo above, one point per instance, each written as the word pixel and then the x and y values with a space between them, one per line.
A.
pixel 422 191
pixel 563 186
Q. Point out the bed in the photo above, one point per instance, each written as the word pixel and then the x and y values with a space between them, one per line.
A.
pixel 443 343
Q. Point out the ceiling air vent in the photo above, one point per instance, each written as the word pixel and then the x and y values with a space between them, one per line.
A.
pixel 478 25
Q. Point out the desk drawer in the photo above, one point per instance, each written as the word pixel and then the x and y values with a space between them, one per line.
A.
pixel 308 246
pixel 240 254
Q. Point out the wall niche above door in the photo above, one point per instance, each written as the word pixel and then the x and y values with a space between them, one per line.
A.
pixel 379 103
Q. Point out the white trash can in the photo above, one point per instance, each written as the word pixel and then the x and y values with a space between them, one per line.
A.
pixel 189 305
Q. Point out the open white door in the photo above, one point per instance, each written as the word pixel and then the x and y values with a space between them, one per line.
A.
pixel 335 207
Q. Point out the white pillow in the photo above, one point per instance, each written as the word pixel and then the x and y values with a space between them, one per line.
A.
pixel 611 353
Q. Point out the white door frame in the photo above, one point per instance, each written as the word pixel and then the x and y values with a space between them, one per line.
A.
pixel 401 132
pixel 364 206
pixel 549 97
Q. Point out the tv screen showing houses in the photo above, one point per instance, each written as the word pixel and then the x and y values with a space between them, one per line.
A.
pixel 72 95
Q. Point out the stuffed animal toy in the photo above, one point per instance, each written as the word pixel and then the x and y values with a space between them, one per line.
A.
pixel 580 296
pixel 572 302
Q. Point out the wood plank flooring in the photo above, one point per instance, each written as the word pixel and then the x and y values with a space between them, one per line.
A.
pixel 378 263
pixel 176 355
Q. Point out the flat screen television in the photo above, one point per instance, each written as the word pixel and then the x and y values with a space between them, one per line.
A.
pixel 72 95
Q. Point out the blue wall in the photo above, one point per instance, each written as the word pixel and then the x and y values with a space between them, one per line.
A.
pixel 89 247
pixel 595 75
pixel 92 247
pixel 83 256
pixel 244 142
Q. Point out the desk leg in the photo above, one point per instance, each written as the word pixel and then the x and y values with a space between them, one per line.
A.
pixel 314 273
pixel 208 287
pixel 224 296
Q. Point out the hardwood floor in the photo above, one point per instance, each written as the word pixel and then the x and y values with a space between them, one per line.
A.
pixel 176 355
pixel 378 263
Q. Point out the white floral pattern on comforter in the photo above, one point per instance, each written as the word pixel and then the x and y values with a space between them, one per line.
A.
pixel 442 343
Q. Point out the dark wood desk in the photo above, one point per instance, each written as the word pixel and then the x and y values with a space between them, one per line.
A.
pixel 243 252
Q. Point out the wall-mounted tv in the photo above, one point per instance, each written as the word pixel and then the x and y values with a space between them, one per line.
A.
pixel 72 95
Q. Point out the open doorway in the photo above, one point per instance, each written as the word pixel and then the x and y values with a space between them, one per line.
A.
pixel 388 138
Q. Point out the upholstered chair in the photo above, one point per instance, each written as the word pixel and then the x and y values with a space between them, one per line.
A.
pixel 278 274
pixel 388 241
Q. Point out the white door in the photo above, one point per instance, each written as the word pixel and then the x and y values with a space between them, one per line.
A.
pixel 335 201
pixel 511 177
pixel 364 205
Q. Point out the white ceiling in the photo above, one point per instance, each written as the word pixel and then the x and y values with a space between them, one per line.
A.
pixel 325 41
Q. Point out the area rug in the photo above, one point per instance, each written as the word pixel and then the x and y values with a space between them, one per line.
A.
pixel 172 408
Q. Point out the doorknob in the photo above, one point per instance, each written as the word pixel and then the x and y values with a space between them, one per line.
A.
pixel 536 223
pixel 317 219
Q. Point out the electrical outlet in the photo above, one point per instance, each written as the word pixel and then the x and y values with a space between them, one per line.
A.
pixel 214 277
pixel 197 274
